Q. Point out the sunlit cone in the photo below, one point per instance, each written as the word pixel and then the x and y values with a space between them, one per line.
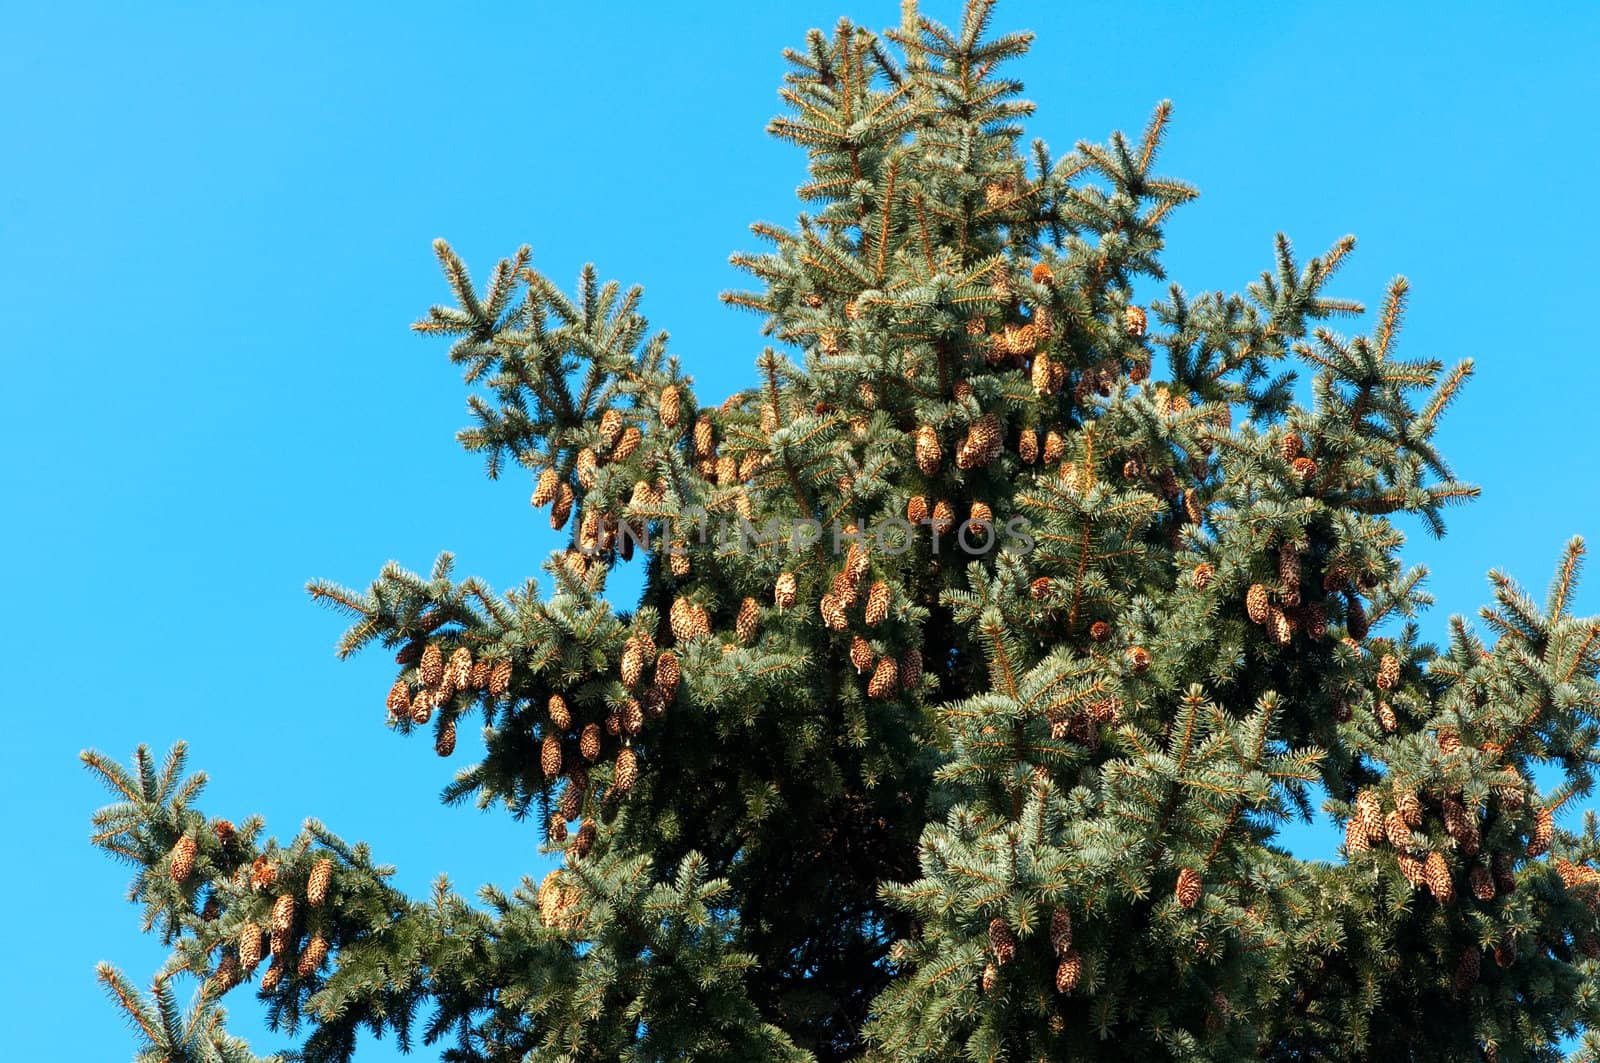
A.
pixel 832 610
pixel 633 657
pixel 550 756
pixel 1388 672
pixel 633 716
pixel 860 654
pixel 884 678
pixel 1135 321
pixel 1188 888
pixel 1028 446
pixel 181 864
pixel 1280 626
pixel 561 508
pixel 586 467
pixel 943 517
pixel 1437 875
pixel 589 742
pixel 877 608
pixel 317 883
pixel 1044 379
pixel 250 946
pixel 1304 468
pixel 991 977
pixel 1256 603
pixel 1139 658
pixel 479 680
pixel 545 489
pixel 500 677
pixel 1396 830
pixel 627 772
pixel 981 516
pixel 431 669
pixel 570 803
pixel 1290 446
pixel 1355 836
pixel 1369 813
pixel 283 913
pixel 399 700
pixel 688 620
pixel 262 873
pixel 704 437
pixel 928 451
pixel 273 978
pixel 668 672
pixel 1203 574
pixel 669 407
pixel 917 510
pixel 1543 831
pixel 444 743
pixel 745 623
pixel 461 668
pixel 560 715
pixel 784 593
pixel 1069 972
pixel 610 428
pixel 1386 717
pixel 628 443
pixel 1412 868
pixel 1039 589
pixel 227 975
pixel 311 956
pixel 1054 447
pixel 678 560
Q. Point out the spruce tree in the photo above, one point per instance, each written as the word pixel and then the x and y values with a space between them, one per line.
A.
pixel 987 641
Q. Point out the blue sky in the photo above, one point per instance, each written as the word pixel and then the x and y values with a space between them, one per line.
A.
pixel 214 230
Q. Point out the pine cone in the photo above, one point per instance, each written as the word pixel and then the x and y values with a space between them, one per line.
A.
pixel 570 804
pixel 399 700
pixel 1279 626
pixel 560 715
pixel 283 913
pixel 545 489
pixel 1355 836
pixel 227 975
pixel 1099 631
pixel 250 946
pixel 1543 831
pixel 561 509
pixel 1388 672
pixel 1028 446
pixel 500 677
pixel 550 756
pixel 860 654
pixel 785 593
pixel 927 450
pixel 1203 574
pixel 1039 589
pixel 1256 604
pixel 481 670
pixel 1396 830
pixel 744 625
pixel 704 437
pixel 1041 273
pixel 917 510
pixel 884 678
pixel 670 407
pixel 311 956
pixel 444 743
pixel 1505 953
pixel 461 668
pixel 1188 888
pixel 627 772
pixel 1139 658
pixel 688 620
pixel 1069 972
pixel 1135 321
pixel 1386 717
pixel 181 864
pixel 1481 883
pixel 431 669
pixel 631 438
pixel 1002 941
pixel 610 428
pixel 1043 376
pixel 1290 446
pixel 1504 879
pixel 944 517
pixel 1355 618
pixel 981 516
pixel 1304 468
pixel 632 716
pixel 586 467
pixel 668 673
pixel 877 609
pixel 1407 804
pixel 589 742
pixel 317 883
pixel 1467 968
pixel 1412 868
pixel 911 669
pixel 274 976
pixel 1054 447
pixel 990 977
pixel 1061 932
pixel 633 655
pixel 1437 876
pixel 832 610
pixel 1370 814
pixel 262 873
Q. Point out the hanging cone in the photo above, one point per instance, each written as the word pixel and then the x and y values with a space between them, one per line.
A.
pixel 1028 446
pixel 444 743
pixel 1437 876
pixel 784 593
pixel 668 673
pixel 884 678
pixel 283 914
pixel 500 677
pixel 311 956
pixel 927 450
pixel 181 863
pixel 877 609
pixel 1388 672
pixel 1002 941
pixel 745 624
pixel 860 654
pixel 560 716
pixel 627 772
pixel 1135 321
pixel 317 883
pixel 911 669
pixel 1543 832
pixel 550 756
pixel 1188 888
pixel 1061 932
pixel 631 438
pixel 669 407
pixel 610 428
pixel 1069 972
pixel 431 669
pixel 545 489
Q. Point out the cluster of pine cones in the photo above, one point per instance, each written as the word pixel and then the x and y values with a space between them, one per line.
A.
pixel 282 931
pixel 888 675
pixel 438 680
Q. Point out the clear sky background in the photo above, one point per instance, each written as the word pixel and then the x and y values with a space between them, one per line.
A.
pixel 214 231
